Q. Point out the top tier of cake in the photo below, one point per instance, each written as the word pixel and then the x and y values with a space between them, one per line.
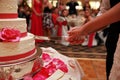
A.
pixel 9 16
pixel 8 8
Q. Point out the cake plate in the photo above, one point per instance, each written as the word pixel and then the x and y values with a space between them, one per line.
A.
pixel 15 70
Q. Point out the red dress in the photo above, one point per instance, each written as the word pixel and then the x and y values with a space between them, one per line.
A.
pixel 36 21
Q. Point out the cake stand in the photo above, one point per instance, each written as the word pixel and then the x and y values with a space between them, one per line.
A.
pixel 15 70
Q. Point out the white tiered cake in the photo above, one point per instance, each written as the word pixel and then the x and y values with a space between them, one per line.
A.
pixel 17 46
pixel 12 51
pixel 25 47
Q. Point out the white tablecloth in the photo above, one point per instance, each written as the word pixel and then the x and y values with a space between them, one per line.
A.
pixel 75 72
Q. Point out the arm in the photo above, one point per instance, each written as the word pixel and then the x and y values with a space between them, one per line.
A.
pixel 33 9
pixel 105 6
pixel 111 16
pixel 96 24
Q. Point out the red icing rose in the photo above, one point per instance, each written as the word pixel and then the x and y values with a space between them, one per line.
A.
pixel 9 35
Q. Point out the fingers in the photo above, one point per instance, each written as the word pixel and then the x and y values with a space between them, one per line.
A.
pixel 76 42
pixel 74 31
pixel 75 36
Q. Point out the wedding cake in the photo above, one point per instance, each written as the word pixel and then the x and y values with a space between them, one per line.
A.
pixel 15 42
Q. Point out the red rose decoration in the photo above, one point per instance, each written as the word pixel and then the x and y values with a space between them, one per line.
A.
pixel 46 57
pixel 53 65
pixel 9 35
pixel 60 65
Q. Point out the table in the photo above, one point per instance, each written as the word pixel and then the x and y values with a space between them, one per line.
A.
pixel 74 70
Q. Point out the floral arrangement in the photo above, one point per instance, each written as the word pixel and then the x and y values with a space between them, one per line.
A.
pixel 50 66
pixel 9 35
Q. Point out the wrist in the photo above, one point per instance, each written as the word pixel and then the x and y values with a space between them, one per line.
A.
pixel 83 31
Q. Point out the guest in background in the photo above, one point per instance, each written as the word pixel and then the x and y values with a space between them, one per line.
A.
pixel 72 7
pixel 60 5
pixel 28 11
pixel 81 13
pixel 55 15
pixel 81 17
pixel 86 6
pixel 24 11
pixel 36 19
pixel 64 27
pixel 47 18
pixel 21 11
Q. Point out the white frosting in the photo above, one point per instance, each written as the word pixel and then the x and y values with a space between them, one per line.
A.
pixel 8 6
pixel 17 23
pixel 14 48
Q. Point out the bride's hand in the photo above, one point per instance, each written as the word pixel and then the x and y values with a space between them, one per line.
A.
pixel 75 36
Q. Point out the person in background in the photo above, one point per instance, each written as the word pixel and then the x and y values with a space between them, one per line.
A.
pixel 36 19
pixel 81 13
pixel 81 17
pixel 72 7
pixel 60 5
pixel 64 27
pixel 27 15
pixel 24 11
pixel 21 10
pixel 47 18
pixel 86 5
pixel 55 15
pixel 76 36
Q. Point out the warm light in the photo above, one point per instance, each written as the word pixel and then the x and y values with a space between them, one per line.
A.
pixel 54 3
pixel 94 4
pixel 50 1
pixel 67 7
pixel 80 6
pixel 79 2
pixel 29 3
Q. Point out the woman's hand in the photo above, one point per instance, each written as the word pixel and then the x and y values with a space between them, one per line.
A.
pixel 75 36
pixel 37 14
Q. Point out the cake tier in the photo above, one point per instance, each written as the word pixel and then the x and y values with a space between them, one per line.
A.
pixel 8 8
pixel 18 23
pixel 17 50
